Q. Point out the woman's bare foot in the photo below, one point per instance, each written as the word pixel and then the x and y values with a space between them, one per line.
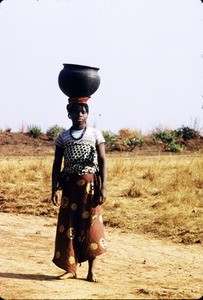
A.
pixel 67 275
pixel 92 278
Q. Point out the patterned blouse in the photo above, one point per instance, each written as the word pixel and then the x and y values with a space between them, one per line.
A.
pixel 80 156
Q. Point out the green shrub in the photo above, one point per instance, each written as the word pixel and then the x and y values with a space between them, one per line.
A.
pixel 53 131
pixel 174 147
pixel 34 131
pixel 111 140
pixel 166 136
pixel 134 141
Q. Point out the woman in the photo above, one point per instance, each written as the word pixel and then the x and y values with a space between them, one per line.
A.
pixel 80 231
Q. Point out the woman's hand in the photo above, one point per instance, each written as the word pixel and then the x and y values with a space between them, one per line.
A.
pixel 55 197
pixel 102 196
pixel 55 174
pixel 103 172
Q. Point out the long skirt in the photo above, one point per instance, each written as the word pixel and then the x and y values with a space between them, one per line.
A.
pixel 80 230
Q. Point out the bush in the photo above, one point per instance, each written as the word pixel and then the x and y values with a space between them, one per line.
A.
pixel 111 140
pixel 166 136
pixel 173 147
pixel 186 133
pixel 8 129
pixel 135 141
pixel 53 131
pixel 34 131
pixel 126 133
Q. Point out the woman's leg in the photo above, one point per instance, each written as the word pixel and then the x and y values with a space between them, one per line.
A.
pixel 91 275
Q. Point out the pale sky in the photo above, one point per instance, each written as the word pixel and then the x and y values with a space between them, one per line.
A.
pixel 150 55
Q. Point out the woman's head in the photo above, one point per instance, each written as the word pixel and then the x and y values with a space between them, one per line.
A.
pixel 76 107
pixel 78 113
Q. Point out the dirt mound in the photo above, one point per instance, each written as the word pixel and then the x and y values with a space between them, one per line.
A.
pixel 23 144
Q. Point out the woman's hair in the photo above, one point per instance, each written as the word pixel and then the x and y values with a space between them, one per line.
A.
pixel 73 106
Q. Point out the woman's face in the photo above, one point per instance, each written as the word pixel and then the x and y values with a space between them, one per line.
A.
pixel 79 115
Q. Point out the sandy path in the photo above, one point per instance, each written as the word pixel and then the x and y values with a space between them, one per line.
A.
pixel 136 266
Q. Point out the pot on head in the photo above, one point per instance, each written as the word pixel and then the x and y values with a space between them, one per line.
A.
pixel 78 80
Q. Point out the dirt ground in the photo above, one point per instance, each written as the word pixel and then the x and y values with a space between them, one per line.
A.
pixel 136 266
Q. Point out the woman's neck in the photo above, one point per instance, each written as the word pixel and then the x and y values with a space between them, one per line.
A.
pixel 78 126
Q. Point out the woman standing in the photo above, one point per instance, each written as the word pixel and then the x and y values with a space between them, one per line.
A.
pixel 80 231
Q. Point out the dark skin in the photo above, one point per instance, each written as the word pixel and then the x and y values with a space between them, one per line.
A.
pixel 79 118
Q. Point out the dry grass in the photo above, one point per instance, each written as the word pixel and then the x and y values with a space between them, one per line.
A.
pixel 161 195
pixel 25 185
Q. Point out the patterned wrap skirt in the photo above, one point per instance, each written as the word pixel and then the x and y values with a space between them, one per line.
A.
pixel 80 230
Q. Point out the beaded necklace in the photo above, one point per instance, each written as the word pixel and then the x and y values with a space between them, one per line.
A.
pixel 78 138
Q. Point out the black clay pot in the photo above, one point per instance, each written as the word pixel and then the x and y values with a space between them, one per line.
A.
pixel 78 81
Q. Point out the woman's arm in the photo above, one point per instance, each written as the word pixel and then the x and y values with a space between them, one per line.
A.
pixel 55 173
pixel 102 171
